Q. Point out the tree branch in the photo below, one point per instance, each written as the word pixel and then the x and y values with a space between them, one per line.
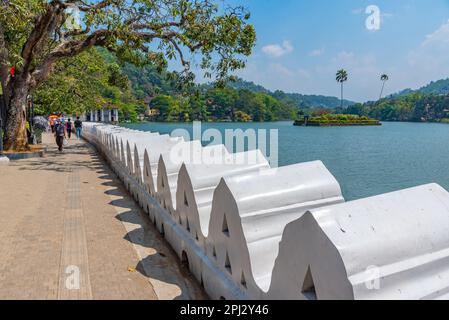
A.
pixel 44 25
pixel 184 62
pixel 66 50
pixel 101 5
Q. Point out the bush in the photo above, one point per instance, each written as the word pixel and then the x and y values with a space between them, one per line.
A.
pixel 338 119
pixel 241 116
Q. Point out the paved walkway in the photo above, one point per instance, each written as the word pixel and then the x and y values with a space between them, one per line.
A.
pixel 69 230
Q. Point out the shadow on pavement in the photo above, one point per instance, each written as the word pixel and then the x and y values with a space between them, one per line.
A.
pixel 159 261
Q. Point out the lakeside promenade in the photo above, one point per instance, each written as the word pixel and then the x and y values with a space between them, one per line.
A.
pixel 69 230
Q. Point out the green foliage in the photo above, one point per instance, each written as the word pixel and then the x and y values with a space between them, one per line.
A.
pixel 414 107
pixel 341 76
pixel 221 104
pixel 166 105
pixel 241 116
pixel 86 82
pixel 144 37
pixel 311 101
pixel 339 117
pixel 116 78
pixel 295 99
pixel 440 87
pixel 75 86
pixel 16 19
pixel 337 120
pixel 142 32
pixel 145 80
pixel 96 78
pixel 127 112
pixel 436 87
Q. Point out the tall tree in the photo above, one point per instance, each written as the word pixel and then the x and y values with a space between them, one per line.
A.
pixel 384 78
pixel 80 84
pixel 36 34
pixel 341 77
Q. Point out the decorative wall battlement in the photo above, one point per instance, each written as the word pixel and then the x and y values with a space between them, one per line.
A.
pixel 248 231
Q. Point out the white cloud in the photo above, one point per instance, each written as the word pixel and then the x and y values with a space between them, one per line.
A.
pixel 441 35
pixel 316 53
pixel 277 50
pixel 430 61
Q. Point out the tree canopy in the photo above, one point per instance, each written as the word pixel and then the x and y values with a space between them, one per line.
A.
pixel 82 83
pixel 37 34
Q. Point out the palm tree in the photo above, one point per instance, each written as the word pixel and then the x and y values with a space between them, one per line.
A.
pixel 342 76
pixel 384 78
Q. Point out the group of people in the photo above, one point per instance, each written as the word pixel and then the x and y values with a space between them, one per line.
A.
pixel 63 129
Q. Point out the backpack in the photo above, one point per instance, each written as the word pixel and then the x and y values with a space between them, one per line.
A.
pixel 60 129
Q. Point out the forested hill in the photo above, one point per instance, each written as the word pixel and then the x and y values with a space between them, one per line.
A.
pixel 241 84
pixel 312 101
pixel 157 89
pixel 300 100
pixel 147 81
pixel 440 87
pixel 96 78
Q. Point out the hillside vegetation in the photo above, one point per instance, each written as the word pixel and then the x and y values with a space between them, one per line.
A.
pixel 97 78
pixel 415 107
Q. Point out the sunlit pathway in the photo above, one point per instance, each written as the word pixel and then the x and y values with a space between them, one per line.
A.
pixel 68 230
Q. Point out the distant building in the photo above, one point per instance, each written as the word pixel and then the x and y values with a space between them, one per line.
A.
pixel 106 115
pixel 151 112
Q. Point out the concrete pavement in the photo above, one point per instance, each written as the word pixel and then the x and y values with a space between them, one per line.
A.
pixel 69 230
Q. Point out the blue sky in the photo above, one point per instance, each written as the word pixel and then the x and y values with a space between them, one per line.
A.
pixel 302 43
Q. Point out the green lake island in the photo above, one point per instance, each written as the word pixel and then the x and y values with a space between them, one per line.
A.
pixel 336 120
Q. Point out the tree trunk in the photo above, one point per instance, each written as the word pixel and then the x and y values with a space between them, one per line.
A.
pixel 15 131
pixel 341 103
pixel 382 90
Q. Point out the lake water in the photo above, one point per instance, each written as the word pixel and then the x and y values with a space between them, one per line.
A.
pixel 365 160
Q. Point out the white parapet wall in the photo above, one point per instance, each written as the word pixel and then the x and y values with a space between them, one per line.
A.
pixel 250 212
pixel 392 246
pixel 248 231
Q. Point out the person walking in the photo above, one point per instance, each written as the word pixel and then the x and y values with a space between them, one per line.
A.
pixel 78 127
pixel 52 124
pixel 60 134
pixel 69 128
